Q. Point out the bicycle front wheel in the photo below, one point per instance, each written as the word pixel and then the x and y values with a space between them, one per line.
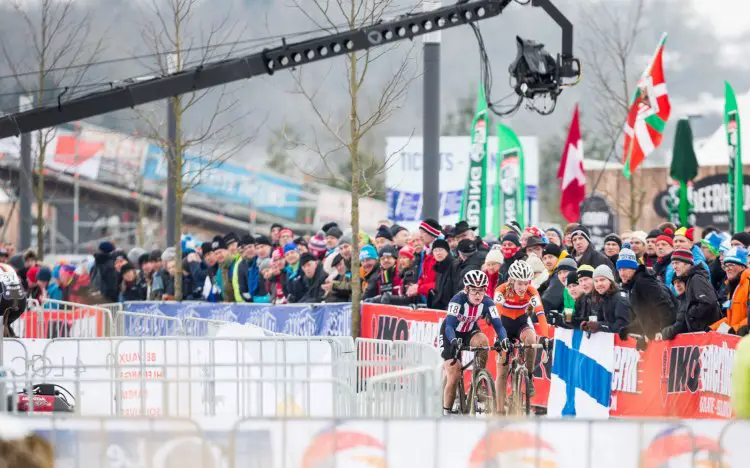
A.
pixel 522 390
pixel 482 395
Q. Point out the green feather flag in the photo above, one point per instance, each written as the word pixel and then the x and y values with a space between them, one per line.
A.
pixel 474 199
pixel 736 177
pixel 510 177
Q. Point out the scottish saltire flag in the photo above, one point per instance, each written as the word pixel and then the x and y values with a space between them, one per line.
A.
pixel 581 374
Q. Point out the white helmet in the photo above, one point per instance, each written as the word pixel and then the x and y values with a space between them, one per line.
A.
pixel 520 270
pixel 476 279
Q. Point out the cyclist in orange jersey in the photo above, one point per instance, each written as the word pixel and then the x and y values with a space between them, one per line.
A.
pixel 515 299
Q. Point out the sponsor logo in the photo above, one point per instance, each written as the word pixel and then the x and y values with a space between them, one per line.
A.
pixel 262 318
pixel 388 327
pixel 512 446
pixel 625 371
pixel 300 323
pixel 680 447
pixel 340 446
pixel 338 322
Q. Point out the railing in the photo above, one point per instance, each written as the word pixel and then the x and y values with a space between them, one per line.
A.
pixel 57 319
pixel 408 393
pixel 397 443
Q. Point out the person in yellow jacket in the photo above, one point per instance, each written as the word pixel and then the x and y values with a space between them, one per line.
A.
pixel 738 278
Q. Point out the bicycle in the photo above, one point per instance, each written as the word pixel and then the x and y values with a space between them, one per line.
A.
pixel 481 387
pixel 520 400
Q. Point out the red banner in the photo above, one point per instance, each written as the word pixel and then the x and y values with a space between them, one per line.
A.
pixel 77 323
pixel 688 377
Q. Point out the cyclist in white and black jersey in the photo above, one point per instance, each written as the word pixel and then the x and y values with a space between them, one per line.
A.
pixel 12 298
pixel 464 311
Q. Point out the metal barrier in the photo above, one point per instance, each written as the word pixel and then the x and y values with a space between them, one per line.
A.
pixel 56 319
pixel 376 357
pixel 134 324
pixel 408 393
pixel 396 443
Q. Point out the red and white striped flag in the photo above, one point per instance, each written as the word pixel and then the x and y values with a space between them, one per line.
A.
pixel 571 175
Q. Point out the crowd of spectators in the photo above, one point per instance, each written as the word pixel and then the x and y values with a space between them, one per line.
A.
pixel 661 283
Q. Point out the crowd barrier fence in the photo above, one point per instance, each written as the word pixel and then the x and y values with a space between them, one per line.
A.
pixel 58 319
pixel 395 443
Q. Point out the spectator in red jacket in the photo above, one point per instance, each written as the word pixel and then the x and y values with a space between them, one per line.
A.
pixel 429 230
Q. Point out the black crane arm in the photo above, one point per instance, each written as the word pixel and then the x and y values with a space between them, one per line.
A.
pixel 267 62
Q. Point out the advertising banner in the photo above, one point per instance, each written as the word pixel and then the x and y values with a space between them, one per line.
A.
pixel 599 217
pixel 404 176
pixel 78 323
pixel 292 319
pixel 688 377
pixel 225 182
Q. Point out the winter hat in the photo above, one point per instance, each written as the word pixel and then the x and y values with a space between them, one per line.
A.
pixel 585 271
pixel 725 245
pixel 126 268
pixel 683 255
pixel 264 264
pixel 68 268
pixel 134 254
pixel 494 255
pixel 206 247
pixel 639 235
pixel 291 246
pixel 627 258
pixel 581 230
pixel 441 244
pixel 142 259
pixel 653 234
pixel 106 247
pixel 555 230
pixel 535 240
pixel 306 258
pixel 44 274
pixel 31 274
pixel 346 239
pixel 431 227
pixel 168 254
pixel 217 243
pixel 230 238
pixel 317 244
pixel 368 253
pixel 613 238
pixel 467 247
pixel 277 253
pixel 286 232
pixel 261 240
pixel 685 232
pixel 743 237
pixel 551 249
pixel 572 278
pixel 246 240
pixel 337 258
pixel 604 271
pixel 567 264
pixel 535 263
pixel 16 261
pixel 736 255
pixel 334 231
pixel 384 232
pixel 328 226
pixel 396 228
pixel 713 242
pixel 666 236
pixel 388 251
pixel 407 252
pixel 513 226
pixel 512 237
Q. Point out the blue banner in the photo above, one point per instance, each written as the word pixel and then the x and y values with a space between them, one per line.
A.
pixel 290 319
pixel 230 183
pixel 143 446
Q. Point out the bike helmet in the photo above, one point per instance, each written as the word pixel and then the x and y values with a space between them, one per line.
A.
pixel 520 270
pixel 476 279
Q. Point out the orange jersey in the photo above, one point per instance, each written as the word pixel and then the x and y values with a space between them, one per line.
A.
pixel 513 306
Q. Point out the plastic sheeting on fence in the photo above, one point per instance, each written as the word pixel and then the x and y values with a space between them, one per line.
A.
pixel 289 319
pixel 398 443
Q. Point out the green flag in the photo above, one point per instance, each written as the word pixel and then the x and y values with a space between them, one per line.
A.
pixel 474 199
pixel 510 176
pixel 684 167
pixel 736 177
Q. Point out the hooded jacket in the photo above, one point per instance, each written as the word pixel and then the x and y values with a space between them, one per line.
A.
pixel 699 258
pixel 738 307
pixel 613 311
pixel 654 306
pixel 700 307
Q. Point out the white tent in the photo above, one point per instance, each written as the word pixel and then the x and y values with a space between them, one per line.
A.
pixel 715 151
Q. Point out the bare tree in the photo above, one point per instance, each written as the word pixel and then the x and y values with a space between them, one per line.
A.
pixel 217 137
pixel 365 110
pixel 62 54
pixel 614 29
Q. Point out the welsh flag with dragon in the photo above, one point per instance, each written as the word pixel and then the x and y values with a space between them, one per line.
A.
pixel 648 114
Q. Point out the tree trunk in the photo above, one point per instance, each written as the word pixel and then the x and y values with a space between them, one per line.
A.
pixel 39 192
pixel 356 183
pixel 178 195
pixel 141 235
pixel 633 209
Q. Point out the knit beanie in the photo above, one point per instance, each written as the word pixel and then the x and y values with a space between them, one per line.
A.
pixel 627 258
pixel 431 227
pixel 384 232
pixel 555 230
pixel 581 230
pixel 291 246
pixel 552 249
pixel 512 237
pixel 317 244
pixel 743 237
pixel 604 271
pixel 683 255
pixel 613 238
pixel 666 236
pixel 653 234
pixel 407 252
pixel 567 264
pixel 639 235
pixel 685 232
pixel 736 255
pixel 585 271
pixel 494 255
pixel 713 242
pixel 334 231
